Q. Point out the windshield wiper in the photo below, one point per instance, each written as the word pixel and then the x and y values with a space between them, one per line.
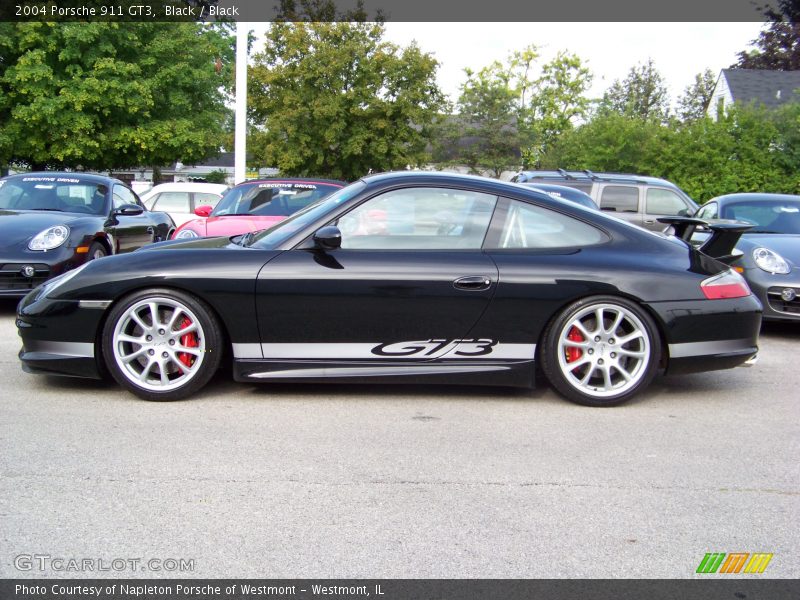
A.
pixel 762 231
pixel 50 209
pixel 249 237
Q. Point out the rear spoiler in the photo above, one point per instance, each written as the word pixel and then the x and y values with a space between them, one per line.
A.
pixel 720 244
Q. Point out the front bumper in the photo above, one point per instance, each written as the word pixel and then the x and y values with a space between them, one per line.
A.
pixel 769 289
pixel 14 283
pixel 59 337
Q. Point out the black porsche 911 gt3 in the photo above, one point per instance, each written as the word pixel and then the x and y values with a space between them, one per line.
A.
pixel 404 277
pixel 52 222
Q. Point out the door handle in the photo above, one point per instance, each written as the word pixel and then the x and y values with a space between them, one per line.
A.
pixel 473 283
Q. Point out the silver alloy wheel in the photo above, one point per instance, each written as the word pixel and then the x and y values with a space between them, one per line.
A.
pixel 158 344
pixel 604 350
pixel 98 253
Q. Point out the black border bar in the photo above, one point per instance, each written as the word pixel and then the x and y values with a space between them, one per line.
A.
pixel 394 10
pixel 711 588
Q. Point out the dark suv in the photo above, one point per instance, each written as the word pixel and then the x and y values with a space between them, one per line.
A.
pixel 635 198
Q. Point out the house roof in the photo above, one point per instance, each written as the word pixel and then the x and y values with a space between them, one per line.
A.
pixel 770 88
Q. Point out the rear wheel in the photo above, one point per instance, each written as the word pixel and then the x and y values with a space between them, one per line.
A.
pixel 162 344
pixel 601 351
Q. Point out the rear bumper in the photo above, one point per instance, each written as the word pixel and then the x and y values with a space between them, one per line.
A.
pixel 709 335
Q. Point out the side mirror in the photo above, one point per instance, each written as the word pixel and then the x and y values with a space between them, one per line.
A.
pixel 128 210
pixel 203 211
pixel 328 238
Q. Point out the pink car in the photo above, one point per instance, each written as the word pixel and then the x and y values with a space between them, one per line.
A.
pixel 255 205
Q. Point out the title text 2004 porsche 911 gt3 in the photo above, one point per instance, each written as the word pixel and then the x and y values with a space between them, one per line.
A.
pixel 404 277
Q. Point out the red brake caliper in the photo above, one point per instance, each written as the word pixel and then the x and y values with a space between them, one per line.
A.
pixel 189 340
pixel 573 353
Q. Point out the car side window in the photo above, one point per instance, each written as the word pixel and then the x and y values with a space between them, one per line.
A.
pixel 205 199
pixel 708 211
pixel 620 198
pixel 531 226
pixel 172 202
pixel 665 202
pixel 419 219
pixel 123 195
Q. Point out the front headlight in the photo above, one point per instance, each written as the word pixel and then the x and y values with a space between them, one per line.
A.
pixel 185 234
pixel 770 261
pixel 50 238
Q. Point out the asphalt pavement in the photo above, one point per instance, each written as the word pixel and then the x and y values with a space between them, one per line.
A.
pixel 386 481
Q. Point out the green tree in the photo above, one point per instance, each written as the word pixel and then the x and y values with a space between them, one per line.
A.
pixel 488 110
pixel 778 44
pixel 108 95
pixel 334 99
pixel 558 100
pixel 693 103
pixel 642 94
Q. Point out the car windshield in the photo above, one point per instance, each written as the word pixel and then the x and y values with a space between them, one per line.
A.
pixel 766 216
pixel 63 194
pixel 271 199
pixel 278 234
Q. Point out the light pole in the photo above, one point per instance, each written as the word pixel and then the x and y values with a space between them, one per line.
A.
pixel 240 133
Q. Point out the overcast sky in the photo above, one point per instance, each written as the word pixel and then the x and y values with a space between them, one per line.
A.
pixel 680 50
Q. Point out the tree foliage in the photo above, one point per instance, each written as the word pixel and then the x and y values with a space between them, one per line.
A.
pixel 507 115
pixel 488 115
pixel 777 47
pixel 642 94
pixel 107 95
pixel 692 105
pixel 748 148
pixel 335 100
pixel 558 100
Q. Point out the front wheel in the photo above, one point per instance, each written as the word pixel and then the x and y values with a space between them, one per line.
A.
pixel 162 344
pixel 601 351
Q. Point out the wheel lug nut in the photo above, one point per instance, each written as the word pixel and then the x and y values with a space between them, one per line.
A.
pixel 600 361
pixel 165 354
pixel 591 351
pixel 151 352
pixel 172 342
pixel 149 338
pixel 613 355
pixel 161 332
pixel 597 338
pixel 611 341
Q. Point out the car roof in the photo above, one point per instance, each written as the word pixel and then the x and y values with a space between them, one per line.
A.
pixel 590 177
pixel 317 180
pixel 188 185
pixel 755 196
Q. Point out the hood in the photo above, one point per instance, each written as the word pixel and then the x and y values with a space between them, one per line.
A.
pixel 19 226
pixel 785 244
pixel 190 244
pixel 236 224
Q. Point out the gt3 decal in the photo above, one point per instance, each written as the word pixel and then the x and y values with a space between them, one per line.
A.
pixel 425 350
pixel 431 348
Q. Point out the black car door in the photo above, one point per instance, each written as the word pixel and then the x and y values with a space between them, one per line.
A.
pixel 129 232
pixel 409 282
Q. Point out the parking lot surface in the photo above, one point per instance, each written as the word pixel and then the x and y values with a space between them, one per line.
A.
pixel 391 481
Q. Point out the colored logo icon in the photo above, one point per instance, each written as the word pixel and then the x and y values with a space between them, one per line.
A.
pixel 736 562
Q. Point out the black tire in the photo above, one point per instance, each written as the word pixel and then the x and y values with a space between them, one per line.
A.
pixel 97 250
pixel 167 358
pixel 617 361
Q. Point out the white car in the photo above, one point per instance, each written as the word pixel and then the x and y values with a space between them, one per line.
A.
pixel 181 199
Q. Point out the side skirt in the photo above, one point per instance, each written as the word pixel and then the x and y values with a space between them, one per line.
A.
pixel 461 372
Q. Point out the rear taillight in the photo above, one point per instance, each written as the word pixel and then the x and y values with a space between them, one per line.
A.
pixel 728 284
